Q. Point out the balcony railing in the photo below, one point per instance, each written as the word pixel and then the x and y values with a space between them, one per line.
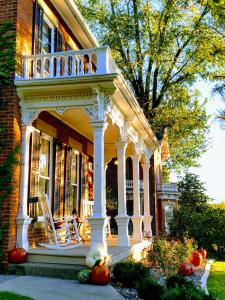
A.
pixel 95 61
pixel 167 187
pixel 129 184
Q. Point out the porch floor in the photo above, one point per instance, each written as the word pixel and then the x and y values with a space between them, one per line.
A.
pixel 76 256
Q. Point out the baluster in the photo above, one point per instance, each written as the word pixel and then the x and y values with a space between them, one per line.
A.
pixel 42 67
pixel 66 66
pixel 73 65
pixel 35 68
pixel 90 64
pixel 25 68
pixel 51 67
pixel 81 71
pixel 58 66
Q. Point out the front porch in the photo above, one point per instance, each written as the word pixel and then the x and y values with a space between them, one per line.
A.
pixel 99 105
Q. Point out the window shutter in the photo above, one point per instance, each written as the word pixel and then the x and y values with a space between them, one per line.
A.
pixel 68 181
pixel 38 25
pixel 58 176
pixel 34 175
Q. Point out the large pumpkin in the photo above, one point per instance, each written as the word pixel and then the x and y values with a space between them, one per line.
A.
pixel 100 274
pixel 196 259
pixel 203 252
pixel 186 269
pixel 17 255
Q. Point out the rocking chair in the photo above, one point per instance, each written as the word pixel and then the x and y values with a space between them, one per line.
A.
pixel 62 233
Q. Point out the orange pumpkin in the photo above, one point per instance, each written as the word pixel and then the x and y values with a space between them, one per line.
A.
pixel 203 252
pixel 100 274
pixel 196 259
pixel 17 255
pixel 186 269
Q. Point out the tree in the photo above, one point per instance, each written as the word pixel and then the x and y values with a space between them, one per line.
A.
pixel 192 193
pixel 162 48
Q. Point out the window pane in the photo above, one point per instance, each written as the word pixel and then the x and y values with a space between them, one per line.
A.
pixel 44 158
pixel 74 169
pixel 46 38
pixel 73 198
pixel 43 189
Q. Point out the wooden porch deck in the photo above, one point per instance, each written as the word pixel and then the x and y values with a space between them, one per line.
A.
pixel 76 256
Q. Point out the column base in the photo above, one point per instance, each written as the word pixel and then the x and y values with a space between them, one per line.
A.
pixel 23 223
pixel 147 226
pixel 122 224
pixel 137 227
pixel 98 234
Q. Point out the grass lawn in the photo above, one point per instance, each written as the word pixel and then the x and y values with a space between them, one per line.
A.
pixel 216 281
pixel 12 296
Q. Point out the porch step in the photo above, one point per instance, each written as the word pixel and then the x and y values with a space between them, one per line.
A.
pixel 50 270
pixel 56 258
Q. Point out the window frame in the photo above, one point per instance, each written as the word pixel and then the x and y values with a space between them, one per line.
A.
pixel 50 178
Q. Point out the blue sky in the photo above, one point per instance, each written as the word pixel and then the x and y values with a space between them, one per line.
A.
pixel 212 163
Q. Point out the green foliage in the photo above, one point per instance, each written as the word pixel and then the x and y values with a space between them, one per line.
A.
pixel 129 272
pixel 150 289
pixel 186 293
pixel 178 280
pixel 192 193
pixel 6 187
pixel 207 227
pixel 166 174
pixel 162 48
pixel 7 51
pixel 168 254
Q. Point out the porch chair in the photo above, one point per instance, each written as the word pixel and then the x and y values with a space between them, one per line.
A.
pixel 87 212
pixel 62 233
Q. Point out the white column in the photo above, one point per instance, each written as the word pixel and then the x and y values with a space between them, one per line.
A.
pixel 122 219
pixel 98 219
pixel 23 220
pixel 147 216
pixel 136 218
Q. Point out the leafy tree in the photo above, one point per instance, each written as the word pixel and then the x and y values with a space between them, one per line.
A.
pixel 163 47
pixel 192 193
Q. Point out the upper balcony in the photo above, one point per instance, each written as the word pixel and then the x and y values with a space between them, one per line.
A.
pixel 87 62
pixel 167 191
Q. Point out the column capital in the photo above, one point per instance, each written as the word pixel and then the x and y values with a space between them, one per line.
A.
pixel 120 145
pixel 99 125
pixel 136 157
pixel 146 166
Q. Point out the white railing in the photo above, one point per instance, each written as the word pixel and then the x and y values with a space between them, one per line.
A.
pixel 167 187
pixel 129 184
pixel 95 61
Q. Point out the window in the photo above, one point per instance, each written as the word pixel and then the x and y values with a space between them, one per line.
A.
pixel 74 182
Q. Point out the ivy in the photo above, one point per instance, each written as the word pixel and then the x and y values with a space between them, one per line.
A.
pixel 6 187
pixel 7 68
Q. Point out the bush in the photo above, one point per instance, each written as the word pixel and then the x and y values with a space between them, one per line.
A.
pixel 167 255
pixel 129 272
pixel 186 293
pixel 207 227
pixel 178 281
pixel 150 289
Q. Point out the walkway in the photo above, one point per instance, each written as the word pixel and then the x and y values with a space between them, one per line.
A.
pixel 44 288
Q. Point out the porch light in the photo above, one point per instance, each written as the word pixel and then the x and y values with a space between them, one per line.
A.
pixel 116 162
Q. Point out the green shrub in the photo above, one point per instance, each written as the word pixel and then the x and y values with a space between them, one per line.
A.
pixel 150 289
pixel 206 227
pixel 168 254
pixel 186 292
pixel 129 272
pixel 178 281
